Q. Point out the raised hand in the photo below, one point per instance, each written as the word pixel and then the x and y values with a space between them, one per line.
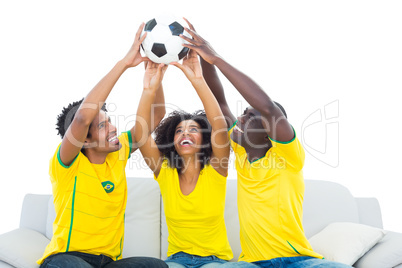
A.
pixel 199 44
pixel 153 75
pixel 133 57
pixel 191 66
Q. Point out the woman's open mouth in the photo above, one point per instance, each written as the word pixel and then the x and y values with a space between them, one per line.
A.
pixel 186 142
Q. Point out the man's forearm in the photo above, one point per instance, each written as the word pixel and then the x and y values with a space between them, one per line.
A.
pixel 211 77
pixel 98 95
pixel 249 89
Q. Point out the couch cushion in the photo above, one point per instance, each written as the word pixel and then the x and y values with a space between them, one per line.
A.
pixel 232 218
pixel 326 202
pixel 345 242
pixel 22 247
pixel 142 219
pixel 164 234
pixel 51 216
pixel 34 212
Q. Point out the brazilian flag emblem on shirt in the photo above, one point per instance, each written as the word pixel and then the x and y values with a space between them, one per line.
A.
pixel 108 186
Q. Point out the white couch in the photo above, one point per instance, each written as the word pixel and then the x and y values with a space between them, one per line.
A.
pixel 146 232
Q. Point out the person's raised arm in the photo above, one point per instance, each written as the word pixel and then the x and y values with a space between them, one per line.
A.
pixel 219 135
pixel 211 77
pixel 77 132
pixel 274 121
pixel 158 111
pixel 143 125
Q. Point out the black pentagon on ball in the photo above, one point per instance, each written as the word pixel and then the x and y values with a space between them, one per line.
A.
pixel 150 25
pixel 183 52
pixel 159 49
pixel 176 28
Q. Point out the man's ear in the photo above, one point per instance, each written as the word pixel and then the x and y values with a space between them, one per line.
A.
pixel 87 143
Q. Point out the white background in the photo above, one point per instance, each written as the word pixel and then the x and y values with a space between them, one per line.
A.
pixel 335 66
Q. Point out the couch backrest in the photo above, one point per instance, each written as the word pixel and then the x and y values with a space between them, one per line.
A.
pixel 326 202
pixel 34 212
pixel 143 218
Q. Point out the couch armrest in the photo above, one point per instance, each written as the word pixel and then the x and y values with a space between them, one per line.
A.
pixel 34 212
pixel 369 212
pixel 22 247
pixel 387 253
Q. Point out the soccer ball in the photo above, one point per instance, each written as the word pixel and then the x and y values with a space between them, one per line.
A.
pixel 163 43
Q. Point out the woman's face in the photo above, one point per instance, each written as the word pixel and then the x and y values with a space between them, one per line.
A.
pixel 188 138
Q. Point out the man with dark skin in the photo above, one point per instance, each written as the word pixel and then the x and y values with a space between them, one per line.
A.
pixel 269 162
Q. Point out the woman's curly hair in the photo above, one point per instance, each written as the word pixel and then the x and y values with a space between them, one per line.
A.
pixel 67 115
pixel 165 132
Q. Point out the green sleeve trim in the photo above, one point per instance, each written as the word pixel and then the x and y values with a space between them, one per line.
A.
pixel 72 216
pixel 232 125
pixel 130 143
pixel 61 163
pixel 130 140
pixel 293 248
pixel 285 142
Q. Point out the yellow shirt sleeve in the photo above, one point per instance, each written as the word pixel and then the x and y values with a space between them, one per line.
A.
pixel 292 152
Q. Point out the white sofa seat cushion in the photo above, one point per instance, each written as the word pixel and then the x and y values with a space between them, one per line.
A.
pixel 22 247
pixel 346 242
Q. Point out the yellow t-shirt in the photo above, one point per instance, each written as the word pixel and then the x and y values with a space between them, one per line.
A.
pixel 90 201
pixel 196 221
pixel 270 194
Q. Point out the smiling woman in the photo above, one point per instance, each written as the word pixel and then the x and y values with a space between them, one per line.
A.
pixel 182 166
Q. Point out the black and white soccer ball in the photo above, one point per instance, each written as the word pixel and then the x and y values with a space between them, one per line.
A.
pixel 163 43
